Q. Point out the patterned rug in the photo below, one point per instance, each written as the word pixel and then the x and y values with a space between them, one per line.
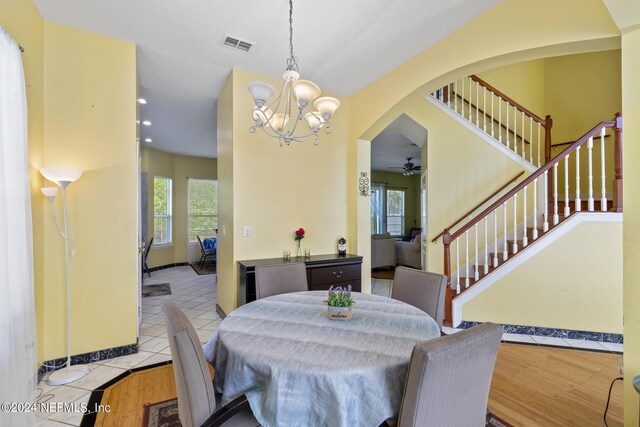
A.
pixel 156 290
pixel 165 414
pixel 207 268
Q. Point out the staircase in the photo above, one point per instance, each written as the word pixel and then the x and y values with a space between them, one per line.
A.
pixel 561 188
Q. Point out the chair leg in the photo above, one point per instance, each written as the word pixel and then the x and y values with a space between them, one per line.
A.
pixel 146 268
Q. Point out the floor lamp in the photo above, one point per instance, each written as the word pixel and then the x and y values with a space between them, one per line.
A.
pixel 63 177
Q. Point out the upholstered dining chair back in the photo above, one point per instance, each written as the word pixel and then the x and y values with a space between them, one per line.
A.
pixel 421 289
pixel 280 279
pixel 449 379
pixel 196 399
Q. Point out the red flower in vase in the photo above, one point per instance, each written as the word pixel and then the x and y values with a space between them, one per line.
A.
pixel 299 234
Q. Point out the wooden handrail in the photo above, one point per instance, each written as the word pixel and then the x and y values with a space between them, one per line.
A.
pixel 611 123
pixel 509 99
pixel 478 205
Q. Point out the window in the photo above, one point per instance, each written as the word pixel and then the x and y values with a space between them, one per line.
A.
pixel 203 208
pixel 395 212
pixel 162 200
pixel 387 210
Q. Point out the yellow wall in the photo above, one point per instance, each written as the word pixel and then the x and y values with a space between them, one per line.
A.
pixel 556 288
pixel 22 21
pixel 631 245
pixel 279 189
pixel 179 168
pixel 89 121
pixel 411 185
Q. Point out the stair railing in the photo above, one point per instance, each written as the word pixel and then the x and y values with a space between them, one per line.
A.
pixel 501 231
pixel 500 116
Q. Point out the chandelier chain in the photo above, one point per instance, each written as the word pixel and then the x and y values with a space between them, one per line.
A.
pixel 292 62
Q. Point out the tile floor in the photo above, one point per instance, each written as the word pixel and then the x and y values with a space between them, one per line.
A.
pixel 196 296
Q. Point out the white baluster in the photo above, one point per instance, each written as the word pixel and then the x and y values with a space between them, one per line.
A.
pixel 525 238
pixel 484 108
pixel 492 116
pixel 567 210
pixel 458 265
pixel 539 163
pixel 462 112
pixel 477 104
pixel 466 257
pixel 476 273
pixel 515 223
pixel 470 99
pixel 555 194
pixel 495 237
pixel 441 92
pixel 455 96
pixel 535 209
pixel 449 95
pixel 590 201
pixel 603 200
pixel 486 245
pixel 545 200
pixel 507 110
pixel 578 201
pixel 515 128
pixel 522 136
pixel 499 118
pixel 505 250
pixel 531 139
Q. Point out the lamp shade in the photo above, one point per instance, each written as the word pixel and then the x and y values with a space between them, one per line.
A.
pixel 305 92
pixel 49 192
pixel 313 119
pixel 262 115
pixel 59 174
pixel 279 121
pixel 327 106
pixel 260 92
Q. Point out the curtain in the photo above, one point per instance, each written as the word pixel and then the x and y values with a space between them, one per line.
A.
pixel 18 355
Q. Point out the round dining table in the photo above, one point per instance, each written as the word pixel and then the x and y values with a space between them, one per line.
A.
pixel 299 368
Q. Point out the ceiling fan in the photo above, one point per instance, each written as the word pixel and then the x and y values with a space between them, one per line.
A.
pixel 408 168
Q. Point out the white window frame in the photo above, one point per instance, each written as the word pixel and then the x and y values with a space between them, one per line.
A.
pixel 404 213
pixel 189 214
pixel 169 214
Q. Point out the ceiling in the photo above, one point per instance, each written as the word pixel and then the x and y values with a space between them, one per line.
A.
pixel 182 63
pixel 402 139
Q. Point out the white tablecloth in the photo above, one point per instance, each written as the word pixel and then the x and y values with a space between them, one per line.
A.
pixel 298 368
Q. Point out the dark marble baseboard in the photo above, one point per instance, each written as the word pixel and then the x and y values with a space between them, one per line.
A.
pixel 220 312
pixel 85 358
pixel 552 332
pixel 163 267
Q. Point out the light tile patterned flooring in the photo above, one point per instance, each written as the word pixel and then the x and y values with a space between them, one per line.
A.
pixel 196 296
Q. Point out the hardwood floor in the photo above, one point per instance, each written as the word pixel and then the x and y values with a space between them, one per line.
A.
pixel 532 386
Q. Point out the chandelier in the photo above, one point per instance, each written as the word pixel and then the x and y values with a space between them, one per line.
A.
pixel 289 117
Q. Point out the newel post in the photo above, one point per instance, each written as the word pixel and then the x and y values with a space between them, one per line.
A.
pixel 446 240
pixel 617 159
pixel 548 124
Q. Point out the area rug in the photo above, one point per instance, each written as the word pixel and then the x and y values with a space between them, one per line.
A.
pixel 156 290
pixel 161 414
pixel 207 268
pixel 165 414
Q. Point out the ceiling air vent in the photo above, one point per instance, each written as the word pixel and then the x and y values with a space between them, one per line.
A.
pixel 236 43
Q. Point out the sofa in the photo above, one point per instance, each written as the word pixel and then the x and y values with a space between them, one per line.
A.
pixel 409 253
pixel 383 250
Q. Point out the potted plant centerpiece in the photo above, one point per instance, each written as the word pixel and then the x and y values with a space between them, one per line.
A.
pixel 339 303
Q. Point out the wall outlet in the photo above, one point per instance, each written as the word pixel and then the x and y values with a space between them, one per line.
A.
pixel 247 231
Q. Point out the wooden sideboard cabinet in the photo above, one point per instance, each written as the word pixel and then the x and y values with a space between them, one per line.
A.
pixel 322 272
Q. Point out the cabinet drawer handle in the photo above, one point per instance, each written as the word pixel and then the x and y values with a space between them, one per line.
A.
pixel 338 274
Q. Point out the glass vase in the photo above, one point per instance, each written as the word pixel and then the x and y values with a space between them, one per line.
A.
pixel 299 251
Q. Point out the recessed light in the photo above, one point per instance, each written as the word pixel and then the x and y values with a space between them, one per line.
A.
pixel 148 140
pixel 146 123
pixel 142 101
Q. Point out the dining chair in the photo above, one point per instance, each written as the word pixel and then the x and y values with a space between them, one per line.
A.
pixel 421 289
pixel 197 402
pixel 205 254
pixel 147 249
pixel 280 279
pixel 449 379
